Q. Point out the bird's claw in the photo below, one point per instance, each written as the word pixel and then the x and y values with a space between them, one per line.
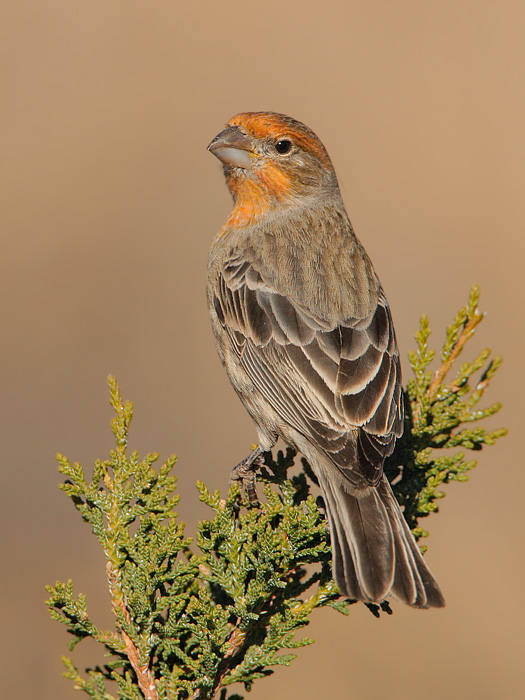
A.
pixel 244 474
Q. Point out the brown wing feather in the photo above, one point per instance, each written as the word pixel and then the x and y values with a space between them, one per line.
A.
pixel 340 386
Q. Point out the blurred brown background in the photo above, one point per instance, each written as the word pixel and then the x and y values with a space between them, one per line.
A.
pixel 109 204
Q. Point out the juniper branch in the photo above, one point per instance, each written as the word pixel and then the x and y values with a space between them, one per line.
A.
pixel 193 618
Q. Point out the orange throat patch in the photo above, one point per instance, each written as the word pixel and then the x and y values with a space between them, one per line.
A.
pixel 254 196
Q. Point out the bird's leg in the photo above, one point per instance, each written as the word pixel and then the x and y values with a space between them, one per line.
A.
pixel 244 474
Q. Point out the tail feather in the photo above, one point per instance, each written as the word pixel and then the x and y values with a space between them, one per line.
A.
pixel 343 561
pixel 363 543
pixel 374 553
pixel 408 584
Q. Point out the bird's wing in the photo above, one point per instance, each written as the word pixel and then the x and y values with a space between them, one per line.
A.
pixel 338 385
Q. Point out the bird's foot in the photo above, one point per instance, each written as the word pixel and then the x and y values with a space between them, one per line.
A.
pixel 244 473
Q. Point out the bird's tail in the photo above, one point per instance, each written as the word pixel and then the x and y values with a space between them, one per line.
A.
pixel 374 553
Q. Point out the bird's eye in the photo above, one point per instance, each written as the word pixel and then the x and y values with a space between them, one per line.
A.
pixel 283 146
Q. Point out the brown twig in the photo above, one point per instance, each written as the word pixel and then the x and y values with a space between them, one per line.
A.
pixel 442 371
pixel 145 679
pixel 235 642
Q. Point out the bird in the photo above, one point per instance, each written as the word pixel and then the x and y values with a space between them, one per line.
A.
pixel 304 331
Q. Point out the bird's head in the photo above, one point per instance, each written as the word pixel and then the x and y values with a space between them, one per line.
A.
pixel 271 160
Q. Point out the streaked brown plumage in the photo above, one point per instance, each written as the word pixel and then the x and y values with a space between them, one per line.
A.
pixel 304 331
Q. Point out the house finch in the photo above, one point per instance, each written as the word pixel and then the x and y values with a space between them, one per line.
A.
pixel 305 334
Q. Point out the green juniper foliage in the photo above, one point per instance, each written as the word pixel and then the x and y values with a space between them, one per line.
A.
pixel 191 621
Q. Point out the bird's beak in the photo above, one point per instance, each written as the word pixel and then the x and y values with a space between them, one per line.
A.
pixel 232 147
